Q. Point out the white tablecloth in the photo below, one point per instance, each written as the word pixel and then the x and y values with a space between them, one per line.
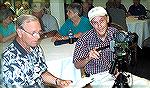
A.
pixel 59 60
pixel 141 27
pixel 106 80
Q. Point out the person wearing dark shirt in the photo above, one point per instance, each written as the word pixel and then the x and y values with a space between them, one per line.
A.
pixel 115 4
pixel 137 9
pixel 117 13
pixel 87 6
pixel 120 5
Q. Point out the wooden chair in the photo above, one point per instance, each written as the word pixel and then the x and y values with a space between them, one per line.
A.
pixel 146 42
pixel 82 70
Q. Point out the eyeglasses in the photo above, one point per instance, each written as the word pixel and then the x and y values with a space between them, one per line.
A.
pixel 33 33
pixel 101 21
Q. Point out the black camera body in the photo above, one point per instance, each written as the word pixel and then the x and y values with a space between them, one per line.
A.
pixel 125 38
pixel 123 48
pixel 123 42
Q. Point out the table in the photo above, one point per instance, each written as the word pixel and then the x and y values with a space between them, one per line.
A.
pixel 59 60
pixel 105 80
pixel 141 27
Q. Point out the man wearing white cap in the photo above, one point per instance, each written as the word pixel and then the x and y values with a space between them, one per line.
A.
pixel 85 53
pixel 92 51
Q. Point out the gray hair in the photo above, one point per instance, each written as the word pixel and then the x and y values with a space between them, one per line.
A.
pixel 76 8
pixel 4 13
pixel 21 20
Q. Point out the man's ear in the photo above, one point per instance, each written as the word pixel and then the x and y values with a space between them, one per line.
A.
pixel 107 19
pixel 18 30
pixel 91 23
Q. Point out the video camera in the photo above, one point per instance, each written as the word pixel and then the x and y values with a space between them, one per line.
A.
pixel 124 48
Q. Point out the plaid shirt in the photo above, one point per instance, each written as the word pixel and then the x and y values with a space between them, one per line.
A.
pixel 21 68
pixel 89 41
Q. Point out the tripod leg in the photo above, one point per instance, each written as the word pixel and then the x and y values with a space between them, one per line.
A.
pixel 121 82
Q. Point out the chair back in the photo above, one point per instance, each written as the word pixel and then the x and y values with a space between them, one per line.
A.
pixel 117 26
pixel 118 16
pixel 146 42
pixel 148 14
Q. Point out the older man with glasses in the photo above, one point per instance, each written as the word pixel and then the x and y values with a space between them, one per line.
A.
pixel 23 60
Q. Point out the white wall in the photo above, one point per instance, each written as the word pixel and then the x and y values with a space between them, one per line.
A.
pixel 148 5
pixel 57 10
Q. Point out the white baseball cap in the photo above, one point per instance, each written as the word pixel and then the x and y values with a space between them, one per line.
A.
pixel 96 11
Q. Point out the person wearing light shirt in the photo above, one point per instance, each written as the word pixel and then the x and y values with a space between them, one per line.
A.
pixel 48 22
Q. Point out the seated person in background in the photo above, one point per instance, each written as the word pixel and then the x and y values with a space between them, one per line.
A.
pixel 75 22
pixel 85 53
pixel 7 27
pixel 47 8
pixel 121 6
pixel 8 4
pixel 137 9
pixel 109 4
pixel 117 15
pixel 116 3
pixel 48 22
pixel 18 6
pixel 23 60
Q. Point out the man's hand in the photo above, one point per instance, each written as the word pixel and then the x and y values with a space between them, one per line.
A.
pixel 94 54
pixel 78 35
pixel 63 83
